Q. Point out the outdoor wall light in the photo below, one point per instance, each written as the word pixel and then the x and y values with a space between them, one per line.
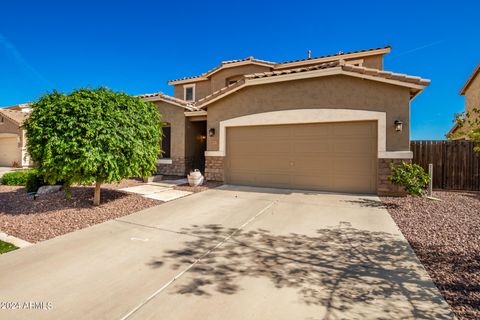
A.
pixel 211 132
pixel 398 125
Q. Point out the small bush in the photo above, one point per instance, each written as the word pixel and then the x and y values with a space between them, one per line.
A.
pixel 34 181
pixel 16 178
pixel 31 179
pixel 410 176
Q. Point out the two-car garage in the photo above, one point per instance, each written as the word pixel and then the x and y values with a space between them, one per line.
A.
pixel 336 156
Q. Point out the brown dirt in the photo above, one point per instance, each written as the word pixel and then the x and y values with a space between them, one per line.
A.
pixel 52 215
pixel 446 237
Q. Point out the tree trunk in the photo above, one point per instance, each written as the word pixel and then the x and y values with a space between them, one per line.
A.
pixel 96 199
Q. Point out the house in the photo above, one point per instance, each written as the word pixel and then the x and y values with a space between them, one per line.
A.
pixel 471 91
pixel 13 151
pixel 330 123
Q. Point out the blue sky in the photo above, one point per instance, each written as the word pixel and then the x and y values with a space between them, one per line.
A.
pixel 136 46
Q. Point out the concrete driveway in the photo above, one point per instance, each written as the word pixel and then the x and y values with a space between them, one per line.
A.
pixel 229 253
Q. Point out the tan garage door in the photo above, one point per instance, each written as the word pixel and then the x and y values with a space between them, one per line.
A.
pixel 9 151
pixel 327 156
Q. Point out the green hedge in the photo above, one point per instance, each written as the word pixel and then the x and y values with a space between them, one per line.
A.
pixel 16 178
pixel 31 179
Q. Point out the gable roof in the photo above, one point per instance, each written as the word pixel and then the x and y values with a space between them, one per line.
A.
pixel 283 65
pixel 16 116
pixel 416 84
pixel 160 96
pixel 469 80
pixel 223 65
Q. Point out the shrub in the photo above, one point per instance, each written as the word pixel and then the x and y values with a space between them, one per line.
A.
pixel 410 176
pixel 34 181
pixel 16 178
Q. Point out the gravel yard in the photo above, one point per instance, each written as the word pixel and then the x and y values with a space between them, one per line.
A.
pixel 446 237
pixel 52 215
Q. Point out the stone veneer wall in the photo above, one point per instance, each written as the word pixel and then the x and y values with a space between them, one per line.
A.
pixel 385 187
pixel 214 168
pixel 179 167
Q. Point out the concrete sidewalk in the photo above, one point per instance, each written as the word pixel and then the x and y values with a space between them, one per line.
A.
pixel 230 253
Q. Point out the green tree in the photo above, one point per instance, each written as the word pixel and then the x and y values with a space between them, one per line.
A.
pixel 468 126
pixel 93 136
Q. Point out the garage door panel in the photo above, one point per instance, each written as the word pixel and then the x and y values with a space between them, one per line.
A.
pixel 262 180
pixel 327 156
pixel 9 151
pixel 312 131
pixel 313 182
pixel 259 163
pixel 354 185
pixel 263 146
pixel 354 129
pixel 354 146
pixel 303 146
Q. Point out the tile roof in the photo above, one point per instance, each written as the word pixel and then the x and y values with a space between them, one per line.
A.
pixel 16 116
pixel 223 64
pixel 275 65
pixel 469 80
pixel 166 98
pixel 345 67
pixel 339 54
pixel 340 64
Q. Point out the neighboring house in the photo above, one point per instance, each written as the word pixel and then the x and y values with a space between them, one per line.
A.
pixel 332 123
pixel 13 151
pixel 471 91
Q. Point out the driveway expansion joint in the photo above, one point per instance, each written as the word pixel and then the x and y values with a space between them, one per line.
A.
pixel 227 238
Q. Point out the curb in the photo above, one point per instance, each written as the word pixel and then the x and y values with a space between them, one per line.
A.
pixel 14 240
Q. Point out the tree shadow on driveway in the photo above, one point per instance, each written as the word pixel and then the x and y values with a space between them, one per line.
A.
pixel 354 274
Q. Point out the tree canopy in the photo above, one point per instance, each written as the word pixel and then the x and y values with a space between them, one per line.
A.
pixel 468 127
pixel 93 136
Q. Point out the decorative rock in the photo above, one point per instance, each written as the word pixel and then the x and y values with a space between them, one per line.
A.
pixel 48 189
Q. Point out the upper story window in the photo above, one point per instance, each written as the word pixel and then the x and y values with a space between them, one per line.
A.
pixel 189 92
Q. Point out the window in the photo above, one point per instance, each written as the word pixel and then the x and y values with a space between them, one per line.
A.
pixel 231 82
pixel 166 142
pixel 2 120
pixel 189 92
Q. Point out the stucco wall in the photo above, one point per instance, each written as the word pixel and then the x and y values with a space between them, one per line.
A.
pixel 218 79
pixel 175 116
pixel 202 89
pixel 374 62
pixel 472 95
pixel 334 92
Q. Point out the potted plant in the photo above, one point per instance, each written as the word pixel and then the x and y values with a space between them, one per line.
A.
pixel 195 178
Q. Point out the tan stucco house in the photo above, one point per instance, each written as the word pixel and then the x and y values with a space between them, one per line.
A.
pixel 332 123
pixel 13 151
pixel 471 91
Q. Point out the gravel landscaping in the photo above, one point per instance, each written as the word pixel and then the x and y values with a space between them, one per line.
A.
pixel 52 215
pixel 446 237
